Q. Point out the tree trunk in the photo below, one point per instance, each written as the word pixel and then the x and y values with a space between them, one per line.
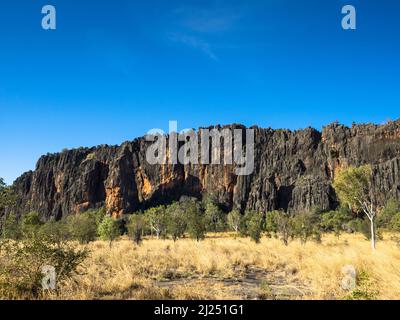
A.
pixel 373 241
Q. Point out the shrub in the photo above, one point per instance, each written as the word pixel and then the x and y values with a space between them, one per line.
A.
pixel 176 221
pixel 388 214
pixel 215 219
pixel 81 227
pixel 55 231
pixel 306 226
pixel 234 220
pixel 253 223
pixel 91 156
pixel 109 229
pixel 30 224
pixel 22 262
pixel 135 228
pixel 7 197
pixel 196 222
pixel 156 220
pixel 365 289
pixel 395 223
pixel 11 228
pixel 335 221
pixel 283 226
pixel 271 223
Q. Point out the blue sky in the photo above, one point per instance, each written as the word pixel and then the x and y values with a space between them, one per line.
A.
pixel 115 69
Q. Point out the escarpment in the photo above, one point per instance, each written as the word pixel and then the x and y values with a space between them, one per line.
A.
pixel 293 171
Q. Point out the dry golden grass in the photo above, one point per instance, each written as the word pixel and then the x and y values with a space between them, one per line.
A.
pixel 222 267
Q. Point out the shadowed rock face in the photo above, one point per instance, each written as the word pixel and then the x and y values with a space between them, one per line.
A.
pixel 293 172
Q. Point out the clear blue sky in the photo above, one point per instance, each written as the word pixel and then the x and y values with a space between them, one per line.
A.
pixel 115 69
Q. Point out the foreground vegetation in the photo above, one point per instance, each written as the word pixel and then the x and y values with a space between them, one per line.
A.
pixel 193 250
pixel 225 267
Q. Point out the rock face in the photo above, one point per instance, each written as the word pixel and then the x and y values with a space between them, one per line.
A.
pixel 293 172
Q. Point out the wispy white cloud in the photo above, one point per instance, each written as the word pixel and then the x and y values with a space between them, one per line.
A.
pixel 202 28
pixel 194 42
pixel 205 20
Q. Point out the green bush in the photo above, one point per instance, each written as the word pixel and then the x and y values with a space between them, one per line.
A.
pixel 305 226
pixel 196 226
pixel 271 223
pixel 156 221
pixel 30 224
pixel 22 262
pixel 387 217
pixel 109 229
pixel 56 231
pixel 234 220
pixel 11 228
pixel 335 221
pixel 253 225
pixel 176 221
pixel 81 227
pixel 7 197
pixel 215 218
pixel 284 226
pixel 135 226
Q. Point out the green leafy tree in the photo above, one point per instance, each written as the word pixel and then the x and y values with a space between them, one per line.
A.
pixel 254 224
pixel 388 213
pixel 82 227
pixel 234 220
pixel 271 223
pixel 156 219
pixel 305 226
pixel 176 221
pixel 215 219
pixel 196 222
pixel 283 226
pixel 353 187
pixel 7 197
pixel 56 232
pixel 136 226
pixel 109 229
pixel 30 224
pixel 11 228
pixel 335 221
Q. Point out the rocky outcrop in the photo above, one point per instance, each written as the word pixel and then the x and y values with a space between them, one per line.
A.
pixel 293 172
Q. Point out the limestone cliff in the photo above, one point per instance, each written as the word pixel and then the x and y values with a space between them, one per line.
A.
pixel 293 172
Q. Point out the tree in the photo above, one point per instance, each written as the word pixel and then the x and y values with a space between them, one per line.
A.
pixel 306 225
pixel 388 214
pixel 109 229
pixel 156 219
pixel 196 222
pixel 56 232
pixel 30 224
pixel 254 222
pixel 82 227
pixel 176 221
pixel 353 187
pixel 214 217
pixel 136 227
pixel 11 229
pixel 271 223
pixel 283 226
pixel 234 220
pixel 336 220
pixel 7 197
